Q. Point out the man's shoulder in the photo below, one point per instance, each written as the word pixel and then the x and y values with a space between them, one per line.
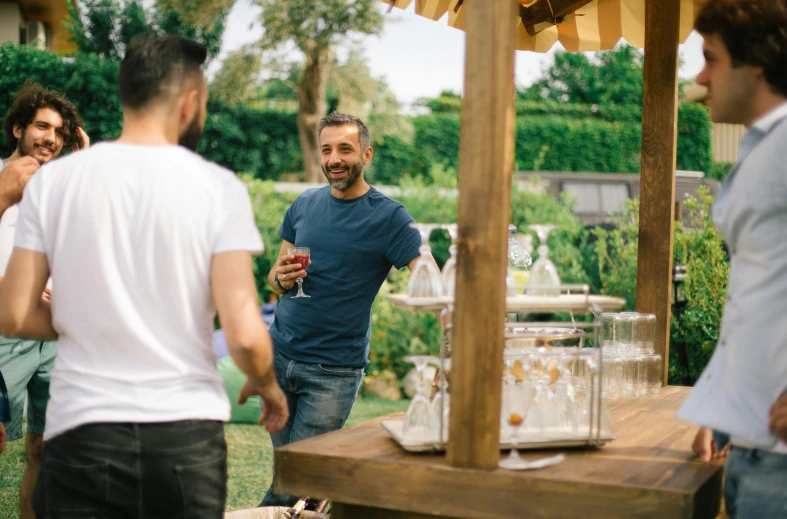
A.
pixel 384 202
pixel 313 194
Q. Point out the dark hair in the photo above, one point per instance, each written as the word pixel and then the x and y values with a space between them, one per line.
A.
pixel 340 119
pixel 30 98
pixel 153 63
pixel 754 32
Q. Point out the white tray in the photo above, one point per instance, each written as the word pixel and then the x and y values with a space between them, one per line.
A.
pixel 522 303
pixel 394 428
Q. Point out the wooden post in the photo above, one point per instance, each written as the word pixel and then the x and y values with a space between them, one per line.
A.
pixel 485 167
pixel 657 186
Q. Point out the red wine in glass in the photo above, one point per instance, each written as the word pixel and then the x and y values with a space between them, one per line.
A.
pixel 300 255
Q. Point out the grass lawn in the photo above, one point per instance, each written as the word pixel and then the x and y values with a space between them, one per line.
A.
pixel 250 459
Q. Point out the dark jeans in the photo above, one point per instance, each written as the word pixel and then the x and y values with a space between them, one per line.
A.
pixel 755 484
pixel 153 471
pixel 319 397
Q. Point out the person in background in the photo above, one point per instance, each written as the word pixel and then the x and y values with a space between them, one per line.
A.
pixel 355 235
pixel 38 125
pixel 741 392
pixel 145 241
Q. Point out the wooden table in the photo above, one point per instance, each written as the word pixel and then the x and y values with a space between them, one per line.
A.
pixel 648 471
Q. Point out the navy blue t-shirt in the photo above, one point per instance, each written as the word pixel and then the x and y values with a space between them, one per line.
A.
pixel 354 243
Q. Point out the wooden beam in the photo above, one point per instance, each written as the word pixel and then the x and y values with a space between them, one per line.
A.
pixel 545 13
pixel 657 187
pixel 486 159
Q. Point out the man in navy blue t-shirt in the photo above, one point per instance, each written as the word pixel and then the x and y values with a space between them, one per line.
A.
pixel 356 234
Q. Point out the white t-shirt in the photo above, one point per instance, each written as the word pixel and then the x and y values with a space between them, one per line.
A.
pixel 129 232
pixel 7 230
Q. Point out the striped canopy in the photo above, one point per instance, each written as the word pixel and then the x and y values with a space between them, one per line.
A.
pixel 598 25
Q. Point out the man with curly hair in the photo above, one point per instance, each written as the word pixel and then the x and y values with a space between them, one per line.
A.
pixel 742 391
pixel 37 126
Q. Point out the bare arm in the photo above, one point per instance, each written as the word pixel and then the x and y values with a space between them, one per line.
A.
pixel 22 311
pixel 248 341
pixel 13 179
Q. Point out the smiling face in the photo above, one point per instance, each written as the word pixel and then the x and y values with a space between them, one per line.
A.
pixel 732 90
pixel 341 156
pixel 42 139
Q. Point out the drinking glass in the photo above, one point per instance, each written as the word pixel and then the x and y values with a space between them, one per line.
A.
pixel 441 401
pixel 647 333
pixel 544 274
pixel 425 279
pixel 301 256
pixel 449 269
pixel 519 262
pixel 517 405
pixel 420 423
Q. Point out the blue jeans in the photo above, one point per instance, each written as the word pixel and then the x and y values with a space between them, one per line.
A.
pixel 319 397
pixel 755 485
pixel 172 470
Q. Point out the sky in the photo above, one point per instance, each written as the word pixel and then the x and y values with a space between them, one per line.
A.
pixel 418 57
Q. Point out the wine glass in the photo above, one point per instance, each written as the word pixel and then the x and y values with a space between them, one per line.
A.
pixel 301 255
pixel 425 279
pixel 449 269
pixel 544 274
pixel 519 261
pixel 420 422
pixel 517 404
pixel 441 401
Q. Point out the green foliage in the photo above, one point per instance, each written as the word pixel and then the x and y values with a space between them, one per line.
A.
pixel 106 27
pixel 262 143
pixel 573 143
pixel 613 77
pixel 696 328
pixel 83 81
pixel 719 170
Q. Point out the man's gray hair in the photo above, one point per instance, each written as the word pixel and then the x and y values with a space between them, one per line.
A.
pixel 340 119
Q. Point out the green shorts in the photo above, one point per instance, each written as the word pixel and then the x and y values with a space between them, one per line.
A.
pixel 26 366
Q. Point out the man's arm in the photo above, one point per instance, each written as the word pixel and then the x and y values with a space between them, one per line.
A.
pixel 248 341
pixel 22 311
pixel 287 272
pixel 13 179
pixel 414 261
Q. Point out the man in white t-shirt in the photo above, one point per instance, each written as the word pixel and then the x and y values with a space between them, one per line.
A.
pixel 144 241
pixel 38 125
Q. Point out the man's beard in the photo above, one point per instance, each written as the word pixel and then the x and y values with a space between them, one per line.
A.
pixel 190 138
pixel 26 150
pixel 343 184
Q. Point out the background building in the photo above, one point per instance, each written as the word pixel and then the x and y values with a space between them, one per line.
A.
pixel 36 22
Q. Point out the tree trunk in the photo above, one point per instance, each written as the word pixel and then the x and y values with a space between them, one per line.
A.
pixel 312 106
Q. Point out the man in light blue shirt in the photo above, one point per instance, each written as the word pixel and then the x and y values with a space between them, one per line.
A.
pixel 741 392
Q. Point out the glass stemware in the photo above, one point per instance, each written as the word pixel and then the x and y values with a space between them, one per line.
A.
pixel 517 404
pixel 544 274
pixel 301 256
pixel 441 401
pixel 449 269
pixel 425 279
pixel 519 262
pixel 420 422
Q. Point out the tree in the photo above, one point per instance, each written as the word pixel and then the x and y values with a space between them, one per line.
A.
pixel 315 28
pixel 106 27
pixel 238 79
pixel 613 76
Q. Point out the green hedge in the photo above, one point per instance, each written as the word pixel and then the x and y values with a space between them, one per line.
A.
pixel 551 142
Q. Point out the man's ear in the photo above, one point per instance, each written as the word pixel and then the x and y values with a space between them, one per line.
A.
pixel 189 107
pixel 17 131
pixel 367 155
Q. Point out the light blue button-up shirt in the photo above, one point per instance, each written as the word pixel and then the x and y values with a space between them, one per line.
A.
pixel 748 370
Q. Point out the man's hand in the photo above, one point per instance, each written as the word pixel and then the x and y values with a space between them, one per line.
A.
pixel 84 140
pixel 275 412
pixel 778 418
pixel 14 178
pixel 2 437
pixel 288 272
pixel 705 448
